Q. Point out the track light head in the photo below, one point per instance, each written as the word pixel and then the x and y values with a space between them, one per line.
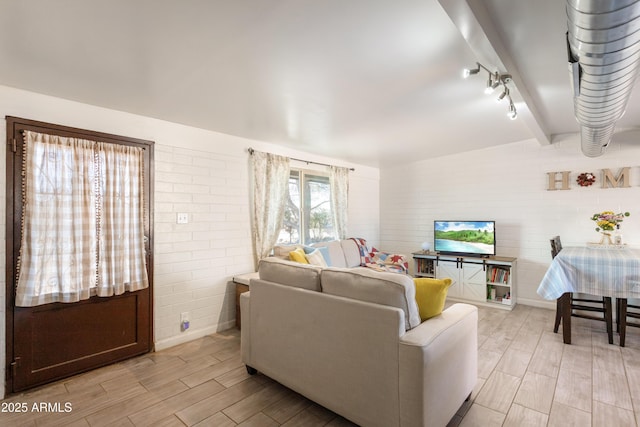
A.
pixel 504 93
pixel 491 86
pixel 512 113
pixel 470 71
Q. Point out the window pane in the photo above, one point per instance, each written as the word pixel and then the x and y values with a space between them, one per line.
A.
pixel 307 216
pixel 290 232
pixel 319 223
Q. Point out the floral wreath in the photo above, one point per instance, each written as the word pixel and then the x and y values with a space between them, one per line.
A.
pixel 586 179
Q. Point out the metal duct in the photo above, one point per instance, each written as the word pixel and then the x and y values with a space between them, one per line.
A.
pixel 604 56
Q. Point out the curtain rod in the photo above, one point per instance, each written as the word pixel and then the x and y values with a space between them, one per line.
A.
pixel 251 150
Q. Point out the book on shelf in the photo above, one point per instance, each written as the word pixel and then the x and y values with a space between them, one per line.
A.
pixel 499 275
pixel 425 266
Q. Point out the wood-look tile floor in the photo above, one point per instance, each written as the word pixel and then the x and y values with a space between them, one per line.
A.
pixel 527 376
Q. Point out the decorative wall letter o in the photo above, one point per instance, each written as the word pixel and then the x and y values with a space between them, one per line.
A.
pixel 586 179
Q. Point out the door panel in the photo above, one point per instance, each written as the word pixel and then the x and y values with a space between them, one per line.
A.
pixel 62 339
pixel 53 341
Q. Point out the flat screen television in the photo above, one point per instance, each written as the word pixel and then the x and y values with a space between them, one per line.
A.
pixel 476 238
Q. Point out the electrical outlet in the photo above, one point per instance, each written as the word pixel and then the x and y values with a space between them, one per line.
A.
pixel 184 321
pixel 183 218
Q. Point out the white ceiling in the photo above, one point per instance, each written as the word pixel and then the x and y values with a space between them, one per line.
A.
pixel 376 82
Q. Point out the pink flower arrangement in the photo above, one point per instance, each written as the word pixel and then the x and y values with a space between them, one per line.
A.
pixel 608 220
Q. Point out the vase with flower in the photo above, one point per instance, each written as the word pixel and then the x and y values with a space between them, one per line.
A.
pixel 606 223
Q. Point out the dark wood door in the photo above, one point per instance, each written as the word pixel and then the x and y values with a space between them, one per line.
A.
pixel 53 341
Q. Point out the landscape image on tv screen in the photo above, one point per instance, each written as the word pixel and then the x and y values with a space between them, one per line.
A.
pixel 468 237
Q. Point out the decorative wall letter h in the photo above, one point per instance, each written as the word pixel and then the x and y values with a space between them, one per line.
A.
pixel 553 180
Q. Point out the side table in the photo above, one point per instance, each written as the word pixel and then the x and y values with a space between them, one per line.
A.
pixel 242 286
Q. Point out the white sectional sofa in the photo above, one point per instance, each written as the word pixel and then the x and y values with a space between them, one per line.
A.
pixel 351 340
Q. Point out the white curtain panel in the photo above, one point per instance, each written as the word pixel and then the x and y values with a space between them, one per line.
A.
pixel 121 260
pixel 82 220
pixel 339 180
pixel 270 189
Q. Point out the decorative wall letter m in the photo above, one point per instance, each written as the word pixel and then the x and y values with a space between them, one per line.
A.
pixel 622 180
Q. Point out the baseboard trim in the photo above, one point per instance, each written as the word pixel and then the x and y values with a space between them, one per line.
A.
pixel 551 305
pixel 193 335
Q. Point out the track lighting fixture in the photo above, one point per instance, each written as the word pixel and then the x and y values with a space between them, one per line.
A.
pixel 494 81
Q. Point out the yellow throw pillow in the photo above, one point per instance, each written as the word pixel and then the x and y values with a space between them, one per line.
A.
pixel 298 256
pixel 430 295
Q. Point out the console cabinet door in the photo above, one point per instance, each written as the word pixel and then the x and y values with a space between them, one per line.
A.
pixel 474 282
pixel 450 269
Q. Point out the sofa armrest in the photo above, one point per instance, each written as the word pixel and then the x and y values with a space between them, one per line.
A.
pixel 431 329
pixel 438 366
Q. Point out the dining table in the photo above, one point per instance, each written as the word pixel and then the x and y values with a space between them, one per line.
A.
pixel 602 270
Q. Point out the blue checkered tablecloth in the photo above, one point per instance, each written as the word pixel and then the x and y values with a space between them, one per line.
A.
pixel 595 270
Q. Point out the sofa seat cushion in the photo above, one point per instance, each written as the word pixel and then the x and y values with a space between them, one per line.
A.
pixel 392 289
pixel 431 295
pixel 290 273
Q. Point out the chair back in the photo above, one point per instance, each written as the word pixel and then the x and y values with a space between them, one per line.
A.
pixel 556 246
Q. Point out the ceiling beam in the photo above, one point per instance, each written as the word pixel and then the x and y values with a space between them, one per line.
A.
pixel 475 24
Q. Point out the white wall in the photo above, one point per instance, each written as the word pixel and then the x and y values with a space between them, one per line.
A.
pixel 508 184
pixel 204 174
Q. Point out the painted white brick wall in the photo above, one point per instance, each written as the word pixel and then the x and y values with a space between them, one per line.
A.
pixel 508 184
pixel 194 261
pixel 201 173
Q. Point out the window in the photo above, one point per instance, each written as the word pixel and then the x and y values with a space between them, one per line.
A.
pixel 307 216
pixel 83 220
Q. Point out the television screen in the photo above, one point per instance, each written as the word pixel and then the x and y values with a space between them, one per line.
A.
pixel 465 237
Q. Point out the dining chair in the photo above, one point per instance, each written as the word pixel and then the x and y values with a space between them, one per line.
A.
pixel 581 306
pixel 622 317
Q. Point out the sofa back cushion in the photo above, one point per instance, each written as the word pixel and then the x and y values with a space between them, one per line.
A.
pixel 336 255
pixel 392 289
pixel 316 257
pixel 290 273
pixel 351 252
pixel 282 251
